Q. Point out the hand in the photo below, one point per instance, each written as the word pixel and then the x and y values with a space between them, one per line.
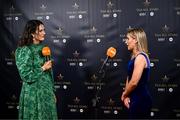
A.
pixel 127 102
pixel 123 96
pixel 47 65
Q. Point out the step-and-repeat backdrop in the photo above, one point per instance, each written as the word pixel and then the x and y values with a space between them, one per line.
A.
pixel 79 32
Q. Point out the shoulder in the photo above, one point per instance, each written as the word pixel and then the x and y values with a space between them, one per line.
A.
pixel 142 55
pixel 22 51
pixel 140 59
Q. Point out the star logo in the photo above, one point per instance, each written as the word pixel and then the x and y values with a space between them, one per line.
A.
pixel 129 28
pixel 146 3
pixel 76 100
pixel 165 78
pixel 43 7
pixel 60 77
pixel 165 29
pixel 59 31
pixel 93 30
pixel 111 102
pixel 110 4
pixel 76 54
pixel 94 77
pixel 12 8
pixel 75 6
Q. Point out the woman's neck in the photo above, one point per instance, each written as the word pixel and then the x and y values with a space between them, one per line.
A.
pixel 135 53
pixel 35 41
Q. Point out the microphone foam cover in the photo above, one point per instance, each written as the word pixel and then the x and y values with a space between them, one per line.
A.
pixel 46 51
pixel 111 52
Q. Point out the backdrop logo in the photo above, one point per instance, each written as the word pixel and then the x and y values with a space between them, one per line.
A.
pixel 59 31
pixel 76 60
pixel 76 54
pixel 94 83
pixel 146 3
pixel 110 5
pixel 110 107
pixel 114 62
pixel 12 14
pixel 75 6
pixel 94 77
pixel 58 36
pixel 12 103
pixel 123 35
pixel 177 10
pixel 60 77
pixel 42 13
pixel 76 12
pixel 147 10
pixel 111 102
pixel 93 30
pixel 166 34
pixel 12 8
pixel 43 7
pixel 111 11
pixel 177 61
pixel 166 86
pixel 10 61
pixel 153 62
pixel 165 29
pixel 77 107
pixel 165 78
pixel 92 36
pixel 76 100
pixel 61 83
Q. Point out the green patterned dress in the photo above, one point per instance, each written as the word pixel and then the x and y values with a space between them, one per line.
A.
pixel 37 98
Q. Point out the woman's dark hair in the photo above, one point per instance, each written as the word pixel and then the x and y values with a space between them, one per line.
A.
pixel 30 28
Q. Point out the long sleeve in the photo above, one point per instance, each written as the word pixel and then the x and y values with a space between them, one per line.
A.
pixel 24 63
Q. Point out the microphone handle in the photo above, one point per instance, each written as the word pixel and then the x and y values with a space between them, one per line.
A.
pixel 102 67
pixel 51 70
pixel 47 58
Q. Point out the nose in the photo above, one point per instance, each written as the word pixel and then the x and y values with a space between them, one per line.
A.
pixel 126 42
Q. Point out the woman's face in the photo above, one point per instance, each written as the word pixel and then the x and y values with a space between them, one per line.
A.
pixel 39 35
pixel 130 42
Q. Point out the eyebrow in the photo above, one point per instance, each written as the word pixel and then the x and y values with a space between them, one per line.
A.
pixel 41 29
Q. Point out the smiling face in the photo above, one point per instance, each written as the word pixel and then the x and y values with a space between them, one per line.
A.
pixel 39 35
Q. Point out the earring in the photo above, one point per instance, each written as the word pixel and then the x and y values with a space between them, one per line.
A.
pixel 32 35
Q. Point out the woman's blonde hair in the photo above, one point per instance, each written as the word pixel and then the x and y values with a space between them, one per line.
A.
pixel 140 36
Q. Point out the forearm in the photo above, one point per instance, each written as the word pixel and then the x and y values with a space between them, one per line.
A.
pixel 129 88
pixel 31 76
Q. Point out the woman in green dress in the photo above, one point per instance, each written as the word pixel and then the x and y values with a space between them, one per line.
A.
pixel 37 99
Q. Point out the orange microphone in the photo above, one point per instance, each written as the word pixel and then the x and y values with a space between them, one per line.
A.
pixel 46 52
pixel 111 52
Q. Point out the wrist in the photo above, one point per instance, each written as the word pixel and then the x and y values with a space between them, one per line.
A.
pixel 124 94
pixel 43 68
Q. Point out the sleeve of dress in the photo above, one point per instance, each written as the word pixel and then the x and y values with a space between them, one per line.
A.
pixel 24 63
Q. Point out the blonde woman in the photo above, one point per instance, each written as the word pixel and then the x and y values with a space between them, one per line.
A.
pixel 136 96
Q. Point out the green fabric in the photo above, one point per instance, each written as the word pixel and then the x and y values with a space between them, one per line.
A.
pixel 37 98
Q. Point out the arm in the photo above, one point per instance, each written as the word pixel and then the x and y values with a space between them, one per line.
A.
pixel 24 63
pixel 139 65
pixel 126 100
pixel 126 83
